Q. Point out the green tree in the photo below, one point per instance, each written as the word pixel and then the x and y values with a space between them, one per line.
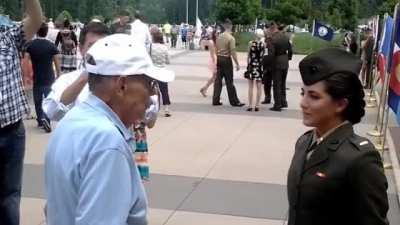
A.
pixel 239 11
pixel 63 16
pixel 335 18
pixel 387 7
pixel 286 12
pixel 153 10
pixel 347 9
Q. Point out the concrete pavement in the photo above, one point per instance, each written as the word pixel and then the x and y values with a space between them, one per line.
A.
pixel 210 165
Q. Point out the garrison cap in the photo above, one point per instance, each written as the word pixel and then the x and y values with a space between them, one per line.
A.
pixel 322 64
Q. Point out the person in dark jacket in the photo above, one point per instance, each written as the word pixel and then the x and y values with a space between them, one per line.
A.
pixel 283 53
pixel 336 177
pixel 268 66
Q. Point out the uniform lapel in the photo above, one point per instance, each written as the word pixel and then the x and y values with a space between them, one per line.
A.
pixel 331 143
pixel 300 157
pixel 319 156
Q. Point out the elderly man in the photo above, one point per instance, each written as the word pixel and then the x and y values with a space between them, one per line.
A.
pixel 13 107
pixel 89 165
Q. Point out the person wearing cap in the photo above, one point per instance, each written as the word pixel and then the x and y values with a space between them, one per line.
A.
pixel 336 177
pixel 226 51
pixel 283 53
pixel 88 165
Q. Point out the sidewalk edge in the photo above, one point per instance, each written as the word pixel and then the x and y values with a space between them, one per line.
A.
pixel 395 164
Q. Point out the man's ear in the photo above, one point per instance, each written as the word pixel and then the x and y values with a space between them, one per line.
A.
pixel 120 84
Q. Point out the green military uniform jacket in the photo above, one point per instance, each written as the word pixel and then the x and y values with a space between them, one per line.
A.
pixel 283 50
pixel 342 183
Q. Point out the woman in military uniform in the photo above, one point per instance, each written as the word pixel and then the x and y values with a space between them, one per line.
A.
pixel 336 177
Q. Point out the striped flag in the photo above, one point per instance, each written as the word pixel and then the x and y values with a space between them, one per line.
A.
pixel 385 47
pixel 394 85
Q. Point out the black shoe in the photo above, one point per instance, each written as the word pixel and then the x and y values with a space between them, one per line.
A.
pixel 238 104
pixel 249 109
pixel 217 104
pixel 46 126
pixel 276 109
pixel 265 102
pixel 284 105
pixel 256 109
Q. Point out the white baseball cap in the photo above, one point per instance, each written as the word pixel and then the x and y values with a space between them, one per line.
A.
pixel 119 54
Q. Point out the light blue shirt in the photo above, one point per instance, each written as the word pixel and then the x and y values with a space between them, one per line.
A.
pixel 91 177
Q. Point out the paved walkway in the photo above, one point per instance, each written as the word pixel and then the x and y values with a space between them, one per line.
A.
pixel 210 165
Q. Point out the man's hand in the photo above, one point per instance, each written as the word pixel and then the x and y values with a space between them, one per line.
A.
pixel 72 92
pixel 237 67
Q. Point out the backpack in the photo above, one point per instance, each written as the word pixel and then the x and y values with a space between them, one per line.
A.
pixel 67 44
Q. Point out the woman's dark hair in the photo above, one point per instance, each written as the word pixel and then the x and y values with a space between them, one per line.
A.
pixel 158 37
pixel 347 86
pixel 97 28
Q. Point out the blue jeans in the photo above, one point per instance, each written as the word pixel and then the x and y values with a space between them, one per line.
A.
pixel 40 93
pixel 12 152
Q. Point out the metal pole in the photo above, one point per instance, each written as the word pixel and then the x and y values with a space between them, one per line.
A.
pixel 380 145
pixel 197 9
pixel 187 11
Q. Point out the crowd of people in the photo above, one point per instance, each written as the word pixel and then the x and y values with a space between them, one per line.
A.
pixel 267 64
pixel 97 157
pixel 364 48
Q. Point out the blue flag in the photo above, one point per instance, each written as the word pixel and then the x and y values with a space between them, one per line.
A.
pixel 394 65
pixel 322 31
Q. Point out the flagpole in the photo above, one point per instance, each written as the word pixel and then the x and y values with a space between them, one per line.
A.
pixel 377 131
pixel 312 35
pixel 394 36
pixel 197 9
pixel 371 100
pixel 383 98
pixel 187 11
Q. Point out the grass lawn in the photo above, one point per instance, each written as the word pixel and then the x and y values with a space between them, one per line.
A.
pixel 303 43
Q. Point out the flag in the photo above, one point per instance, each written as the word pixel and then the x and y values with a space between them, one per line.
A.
pixel 384 47
pixel 394 85
pixel 322 31
pixel 199 27
pixel 376 29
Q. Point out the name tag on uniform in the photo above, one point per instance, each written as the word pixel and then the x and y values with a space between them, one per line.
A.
pixel 320 174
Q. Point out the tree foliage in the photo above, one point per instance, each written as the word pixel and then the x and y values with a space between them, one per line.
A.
pixel 287 12
pixel 239 11
pixel 387 7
